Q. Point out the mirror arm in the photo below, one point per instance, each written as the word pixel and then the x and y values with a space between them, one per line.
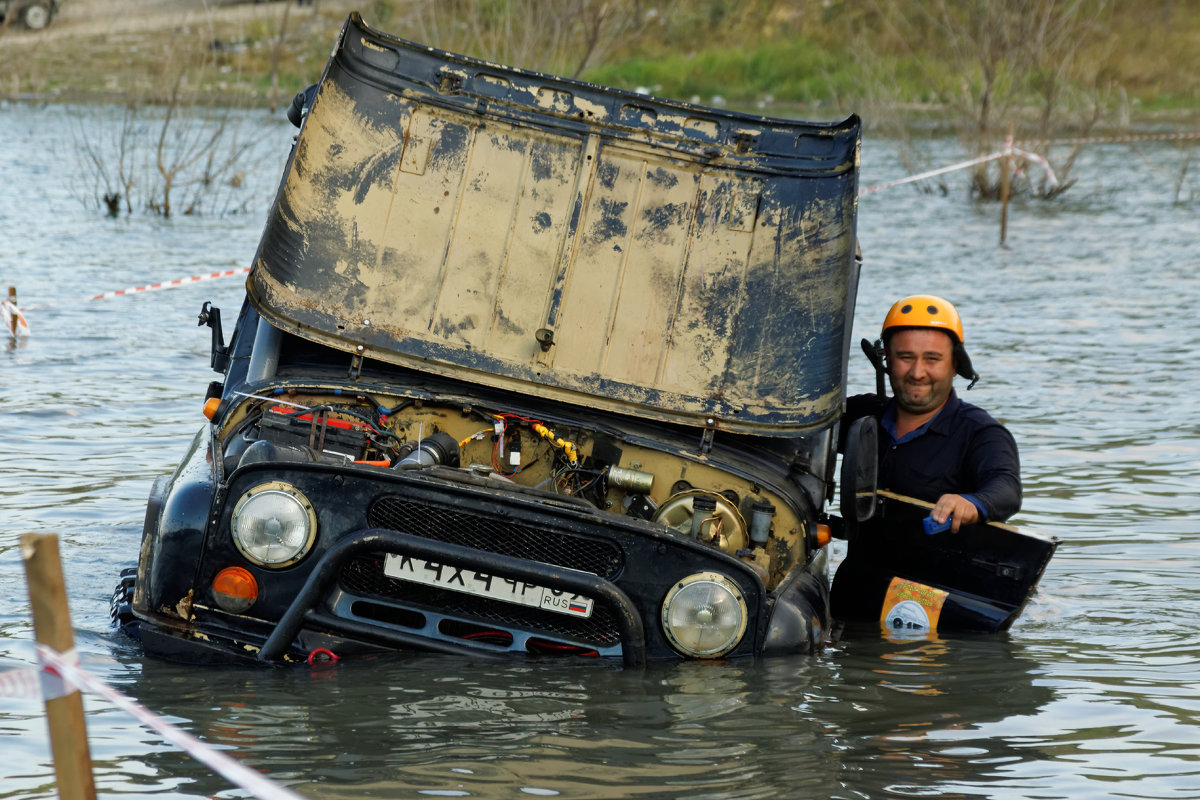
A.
pixel 211 317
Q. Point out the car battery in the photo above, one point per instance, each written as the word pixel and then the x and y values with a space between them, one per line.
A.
pixel 319 430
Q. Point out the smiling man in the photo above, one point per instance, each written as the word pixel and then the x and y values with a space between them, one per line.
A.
pixel 934 446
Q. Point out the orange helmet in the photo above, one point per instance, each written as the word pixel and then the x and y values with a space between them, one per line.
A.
pixel 930 311
pixel 924 311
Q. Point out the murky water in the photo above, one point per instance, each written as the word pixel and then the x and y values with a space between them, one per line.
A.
pixel 1084 329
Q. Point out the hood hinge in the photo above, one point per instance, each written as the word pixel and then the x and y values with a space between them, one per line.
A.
pixel 706 438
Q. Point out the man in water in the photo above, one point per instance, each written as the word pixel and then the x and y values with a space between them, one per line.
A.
pixel 933 446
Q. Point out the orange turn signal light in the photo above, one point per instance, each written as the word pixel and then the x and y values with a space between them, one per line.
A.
pixel 235 589
pixel 210 407
pixel 824 534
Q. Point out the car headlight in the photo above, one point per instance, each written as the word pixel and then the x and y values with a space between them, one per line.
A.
pixel 704 615
pixel 274 525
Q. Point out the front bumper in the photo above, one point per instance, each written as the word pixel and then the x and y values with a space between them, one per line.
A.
pixel 305 611
pixel 343 598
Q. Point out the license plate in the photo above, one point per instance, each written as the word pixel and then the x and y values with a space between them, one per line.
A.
pixel 481 584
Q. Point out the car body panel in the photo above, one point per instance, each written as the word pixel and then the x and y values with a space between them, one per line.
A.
pixel 509 330
pixel 542 235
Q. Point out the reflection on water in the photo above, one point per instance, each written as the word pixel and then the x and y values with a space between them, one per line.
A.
pixel 1082 327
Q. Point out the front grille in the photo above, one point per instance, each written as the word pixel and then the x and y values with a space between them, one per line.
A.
pixel 364 577
pixel 488 533
pixel 495 535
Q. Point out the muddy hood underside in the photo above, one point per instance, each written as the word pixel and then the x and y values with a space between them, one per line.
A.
pixel 559 239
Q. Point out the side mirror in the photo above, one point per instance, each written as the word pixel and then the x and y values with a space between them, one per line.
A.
pixel 210 316
pixel 860 471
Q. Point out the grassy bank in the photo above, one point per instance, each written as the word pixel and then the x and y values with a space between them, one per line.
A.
pixel 820 59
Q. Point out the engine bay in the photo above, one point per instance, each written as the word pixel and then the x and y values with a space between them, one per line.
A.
pixel 692 494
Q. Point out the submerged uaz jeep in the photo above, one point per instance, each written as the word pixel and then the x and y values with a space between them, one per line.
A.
pixel 525 366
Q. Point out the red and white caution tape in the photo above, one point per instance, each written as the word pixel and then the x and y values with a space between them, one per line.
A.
pixel 7 309
pixel 46 683
pixel 153 287
pixel 23 682
pixel 1008 151
pixel 1035 158
pixel 1011 150
pixel 1126 139
pixel 931 173
pixel 61 673
pixel 54 682
pixel 15 326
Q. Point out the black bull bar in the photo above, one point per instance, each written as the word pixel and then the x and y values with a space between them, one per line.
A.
pixel 304 607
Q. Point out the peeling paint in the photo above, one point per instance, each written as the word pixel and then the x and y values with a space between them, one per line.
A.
pixel 183 608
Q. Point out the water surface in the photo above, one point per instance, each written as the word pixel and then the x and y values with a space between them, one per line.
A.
pixel 1083 328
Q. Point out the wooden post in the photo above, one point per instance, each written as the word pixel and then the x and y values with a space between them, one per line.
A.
pixel 12 299
pixel 1005 183
pixel 52 627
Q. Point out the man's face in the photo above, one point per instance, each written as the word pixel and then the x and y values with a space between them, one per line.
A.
pixel 921 368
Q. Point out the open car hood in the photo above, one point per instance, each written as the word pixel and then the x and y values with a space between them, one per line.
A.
pixel 560 239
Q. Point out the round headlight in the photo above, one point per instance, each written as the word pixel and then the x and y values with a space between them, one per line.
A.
pixel 704 615
pixel 274 525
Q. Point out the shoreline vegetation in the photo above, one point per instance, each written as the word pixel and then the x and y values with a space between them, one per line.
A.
pixel 1073 61
pixel 979 70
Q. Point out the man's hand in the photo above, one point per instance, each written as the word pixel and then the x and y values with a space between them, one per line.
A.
pixel 963 510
